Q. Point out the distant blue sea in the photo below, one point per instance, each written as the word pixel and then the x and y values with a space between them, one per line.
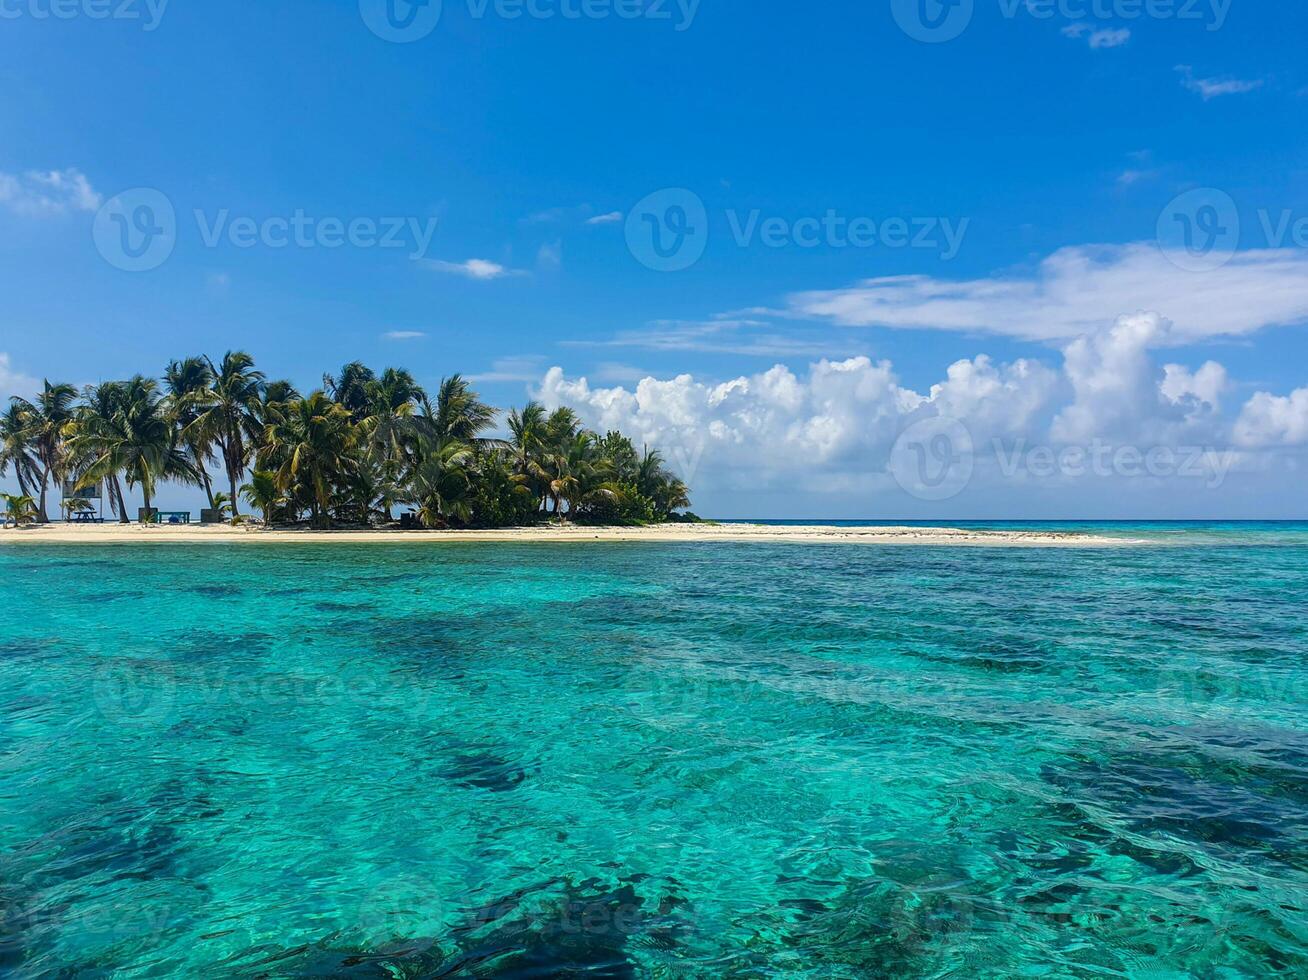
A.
pixel 1166 532
pixel 657 760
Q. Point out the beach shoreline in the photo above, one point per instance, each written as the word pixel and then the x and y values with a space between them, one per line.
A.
pixel 133 534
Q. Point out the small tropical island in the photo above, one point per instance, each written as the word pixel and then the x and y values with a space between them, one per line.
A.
pixel 344 456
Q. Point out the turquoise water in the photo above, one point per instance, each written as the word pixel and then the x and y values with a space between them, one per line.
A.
pixel 648 760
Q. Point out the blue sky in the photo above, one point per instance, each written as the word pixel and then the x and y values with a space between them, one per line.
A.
pixel 1040 131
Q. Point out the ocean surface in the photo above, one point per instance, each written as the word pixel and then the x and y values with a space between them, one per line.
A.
pixel 657 760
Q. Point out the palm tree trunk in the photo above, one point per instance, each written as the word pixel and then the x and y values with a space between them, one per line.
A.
pixel 116 501
pixel 42 516
pixel 208 484
pixel 232 477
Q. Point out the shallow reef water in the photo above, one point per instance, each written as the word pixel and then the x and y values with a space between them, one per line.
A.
pixel 656 760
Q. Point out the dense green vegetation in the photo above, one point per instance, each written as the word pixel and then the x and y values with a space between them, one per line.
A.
pixel 349 453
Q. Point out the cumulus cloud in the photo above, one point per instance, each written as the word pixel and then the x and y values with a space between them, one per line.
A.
pixel 831 429
pixel 1272 420
pixel 38 193
pixel 1200 392
pixel 1116 391
pixel 1211 88
pixel 1077 290
pixel 840 415
pixel 481 269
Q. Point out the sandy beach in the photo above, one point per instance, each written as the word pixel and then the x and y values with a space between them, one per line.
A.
pixel 112 533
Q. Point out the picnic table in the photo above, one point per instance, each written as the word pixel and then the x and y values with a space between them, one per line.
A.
pixel 172 517
pixel 86 517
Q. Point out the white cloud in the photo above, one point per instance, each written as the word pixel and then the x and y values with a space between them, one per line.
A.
pixel 43 193
pixel 1271 420
pixel 605 219
pixel 1109 38
pixel 1129 177
pixel 14 382
pixel 831 429
pixel 403 335
pixel 999 400
pixel 482 269
pixel 1211 88
pixel 1200 391
pixel 1079 290
pixel 1106 37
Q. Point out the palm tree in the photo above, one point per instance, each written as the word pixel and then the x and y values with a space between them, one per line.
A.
pixel 389 428
pixel 70 504
pixel 654 482
pixel 101 405
pixel 350 388
pixel 502 496
pixel 186 382
pixel 46 419
pixel 138 439
pixel 263 494
pixel 20 509
pixel 16 448
pixel 228 414
pixel 458 413
pixel 441 487
pixel 222 503
pixel 581 475
pixel 312 439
